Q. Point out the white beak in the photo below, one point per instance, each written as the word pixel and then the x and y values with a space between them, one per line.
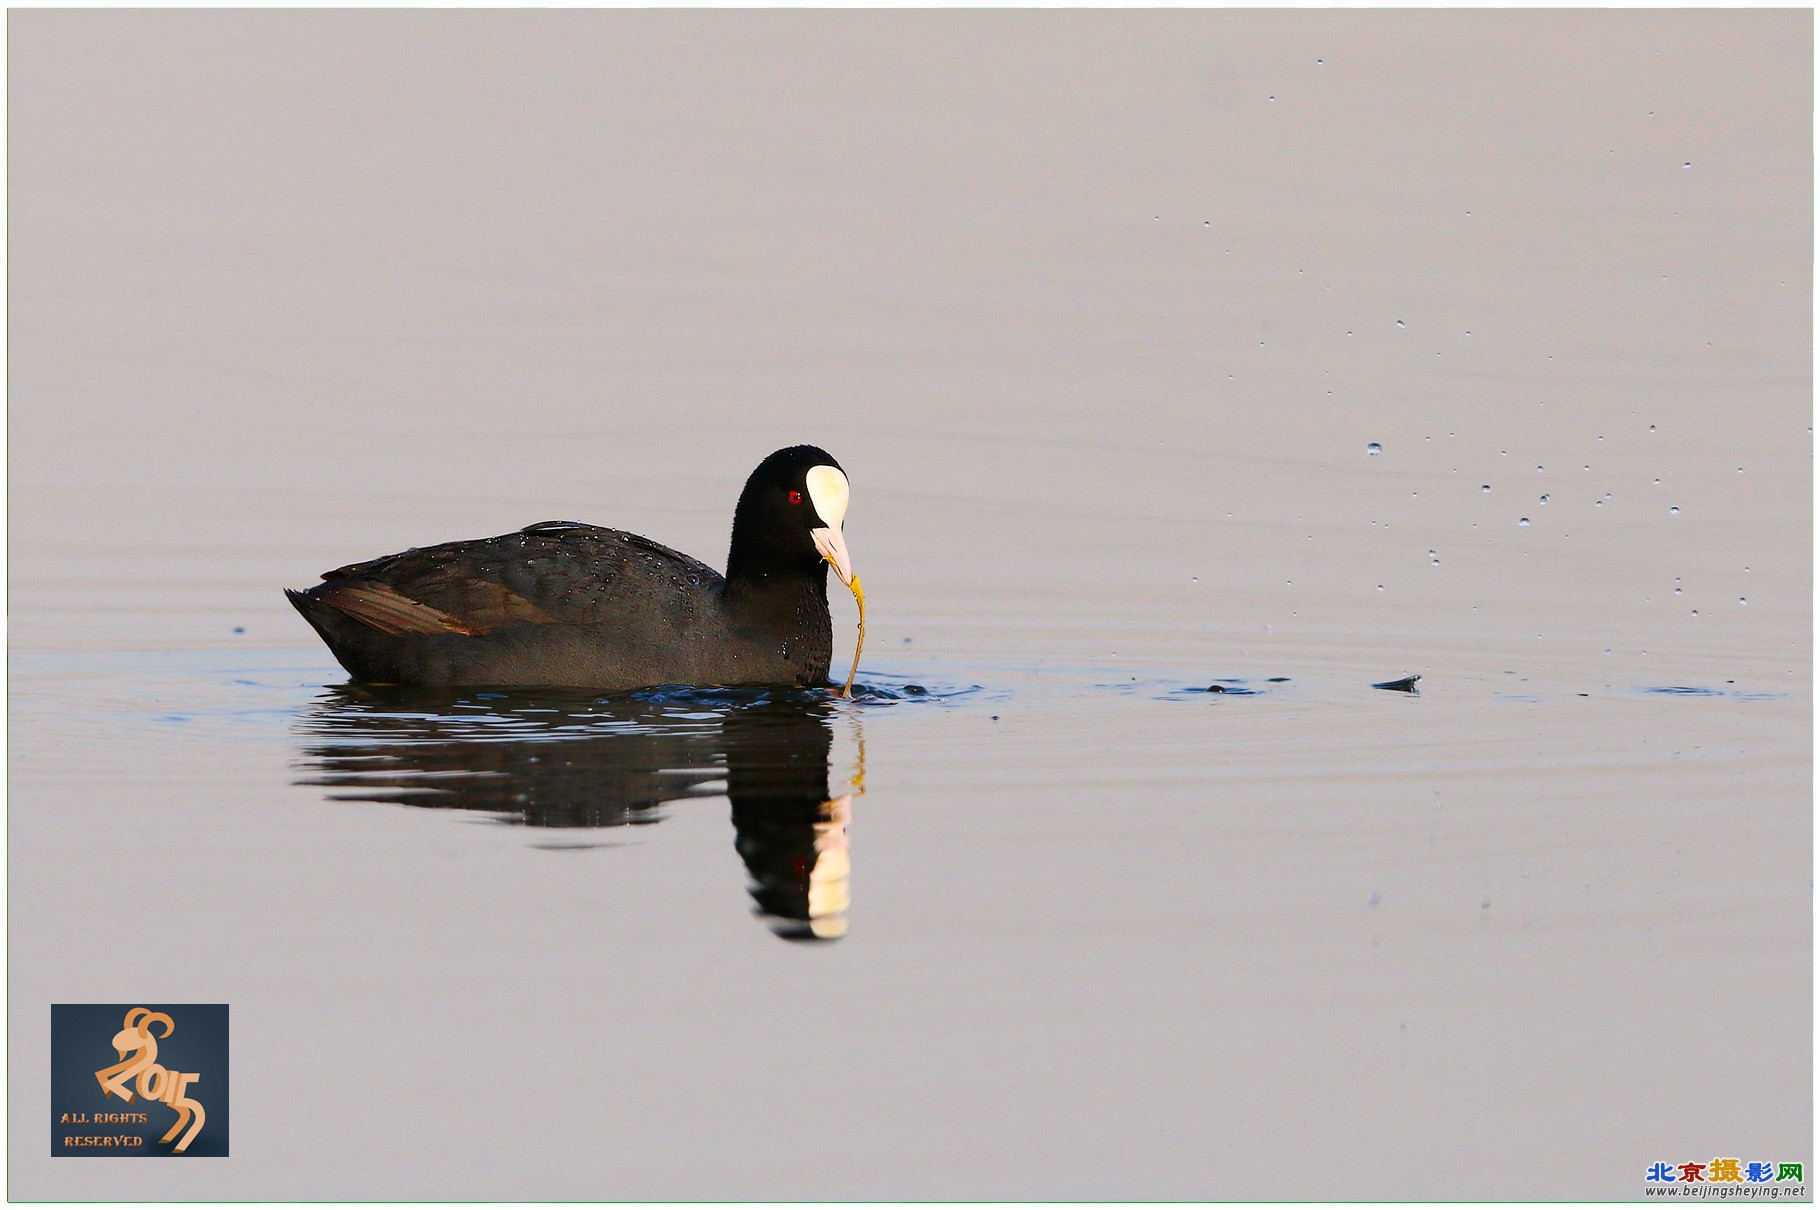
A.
pixel 833 548
pixel 828 492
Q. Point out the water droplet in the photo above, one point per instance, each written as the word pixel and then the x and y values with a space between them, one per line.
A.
pixel 1380 588
pixel 1673 511
pixel 1694 613
pixel 1273 99
pixel 1374 449
pixel 1194 579
pixel 1538 470
pixel 1544 499
pixel 1320 62
pixel 1523 521
pixel 1484 487
pixel 1687 165
pixel 1652 428
pixel 1740 600
pixel 1400 323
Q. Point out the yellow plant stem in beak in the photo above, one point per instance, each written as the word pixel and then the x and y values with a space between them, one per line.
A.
pixel 833 548
pixel 859 598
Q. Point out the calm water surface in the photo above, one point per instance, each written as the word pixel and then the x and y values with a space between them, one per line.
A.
pixel 1286 353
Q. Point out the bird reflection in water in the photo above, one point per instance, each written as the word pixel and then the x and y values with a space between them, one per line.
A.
pixel 550 759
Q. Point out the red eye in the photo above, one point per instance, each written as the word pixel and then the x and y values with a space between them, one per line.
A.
pixel 796 497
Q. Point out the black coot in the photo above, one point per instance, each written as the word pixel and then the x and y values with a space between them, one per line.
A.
pixel 562 603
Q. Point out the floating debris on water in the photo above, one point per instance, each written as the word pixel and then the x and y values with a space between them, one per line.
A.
pixel 1225 685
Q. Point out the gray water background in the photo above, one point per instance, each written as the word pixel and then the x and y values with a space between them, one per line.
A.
pixel 1103 312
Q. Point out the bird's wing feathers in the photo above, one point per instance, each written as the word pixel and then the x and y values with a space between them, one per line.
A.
pixel 551 572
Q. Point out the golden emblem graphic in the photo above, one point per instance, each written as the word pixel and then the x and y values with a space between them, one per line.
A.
pixel 153 1081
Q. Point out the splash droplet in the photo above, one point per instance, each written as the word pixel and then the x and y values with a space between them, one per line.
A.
pixel 1523 521
pixel 1374 449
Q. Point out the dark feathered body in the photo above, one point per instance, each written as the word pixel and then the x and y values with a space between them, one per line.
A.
pixel 566 604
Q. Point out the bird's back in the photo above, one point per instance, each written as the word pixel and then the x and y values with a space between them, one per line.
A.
pixel 557 603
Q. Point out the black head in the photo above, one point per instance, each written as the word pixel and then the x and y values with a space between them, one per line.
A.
pixel 788 521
